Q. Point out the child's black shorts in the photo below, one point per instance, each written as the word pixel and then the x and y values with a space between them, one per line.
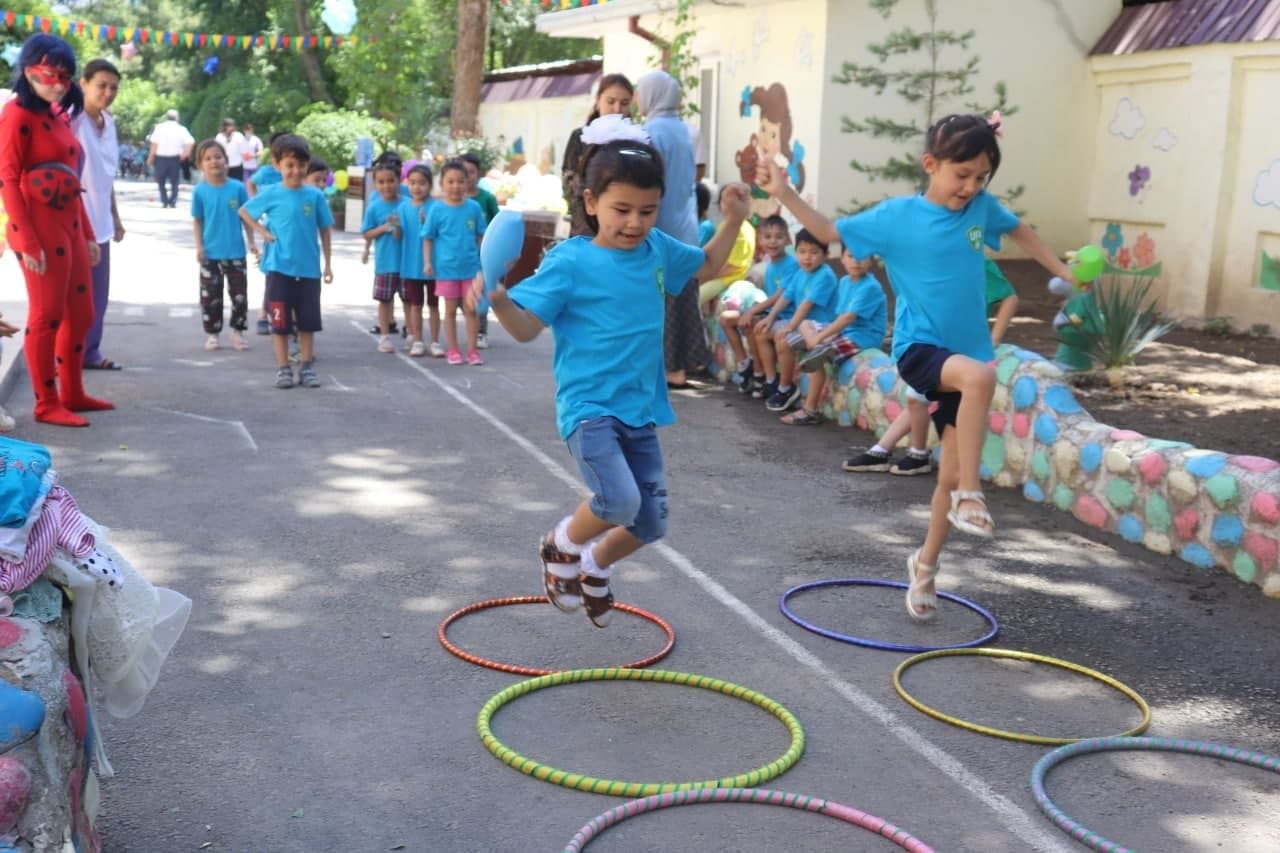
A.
pixel 293 304
pixel 921 368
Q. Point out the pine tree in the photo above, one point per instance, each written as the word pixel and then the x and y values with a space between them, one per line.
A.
pixel 931 87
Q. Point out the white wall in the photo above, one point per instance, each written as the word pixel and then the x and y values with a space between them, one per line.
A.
pixel 540 122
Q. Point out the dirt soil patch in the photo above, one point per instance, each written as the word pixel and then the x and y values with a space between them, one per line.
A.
pixel 1220 392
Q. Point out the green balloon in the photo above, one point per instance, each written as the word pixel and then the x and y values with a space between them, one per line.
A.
pixel 1088 265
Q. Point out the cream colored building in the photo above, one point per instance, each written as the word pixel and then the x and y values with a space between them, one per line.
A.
pixel 536 107
pixel 1169 158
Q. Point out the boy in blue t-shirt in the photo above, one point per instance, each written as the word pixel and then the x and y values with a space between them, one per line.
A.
pixel 215 206
pixel 264 177
pixel 381 226
pixel 298 223
pixel 773 238
pixel 862 316
pixel 807 294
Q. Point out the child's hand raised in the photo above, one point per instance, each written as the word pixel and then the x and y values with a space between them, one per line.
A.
pixel 735 201
pixel 770 177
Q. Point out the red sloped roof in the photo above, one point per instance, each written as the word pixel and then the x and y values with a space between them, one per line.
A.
pixel 1179 23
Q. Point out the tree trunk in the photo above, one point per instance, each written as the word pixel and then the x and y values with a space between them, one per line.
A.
pixel 316 86
pixel 468 74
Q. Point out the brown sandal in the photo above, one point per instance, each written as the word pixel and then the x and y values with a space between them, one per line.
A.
pixel 564 593
pixel 599 607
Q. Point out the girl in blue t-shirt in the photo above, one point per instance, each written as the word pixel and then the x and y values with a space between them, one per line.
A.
pixel 451 255
pixel 932 244
pixel 417 286
pixel 605 301
pixel 381 230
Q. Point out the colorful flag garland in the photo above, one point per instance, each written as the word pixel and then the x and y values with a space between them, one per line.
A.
pixel 143 35
pixel 558 4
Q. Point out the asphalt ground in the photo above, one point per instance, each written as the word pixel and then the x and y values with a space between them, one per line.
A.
pixel 323 534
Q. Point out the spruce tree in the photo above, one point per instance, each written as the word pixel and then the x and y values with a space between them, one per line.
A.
pixel 932 87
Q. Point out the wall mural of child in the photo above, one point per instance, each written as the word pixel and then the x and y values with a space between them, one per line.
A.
pixel 772 141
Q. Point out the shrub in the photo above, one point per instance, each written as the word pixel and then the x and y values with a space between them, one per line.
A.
pixel 1220 326
pixel 1260 330
pixel 1118 323
pixel 332 134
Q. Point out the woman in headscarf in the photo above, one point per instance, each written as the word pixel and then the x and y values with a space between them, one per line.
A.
pixel 49 228
pixel 658 99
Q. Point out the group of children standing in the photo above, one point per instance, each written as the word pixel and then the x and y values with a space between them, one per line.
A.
pixel 423 250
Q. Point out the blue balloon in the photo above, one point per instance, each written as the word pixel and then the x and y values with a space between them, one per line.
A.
pixel 211 64
pixel 499 250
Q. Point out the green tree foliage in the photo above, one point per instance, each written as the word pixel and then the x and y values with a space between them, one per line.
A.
pixel 332 133
pixel 515 40
pixel 930 87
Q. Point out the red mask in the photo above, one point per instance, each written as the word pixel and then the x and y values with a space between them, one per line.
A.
pixel 49 75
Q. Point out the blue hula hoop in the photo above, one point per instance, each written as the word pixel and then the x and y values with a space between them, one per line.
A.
pixel 1088 837
pixel 877 644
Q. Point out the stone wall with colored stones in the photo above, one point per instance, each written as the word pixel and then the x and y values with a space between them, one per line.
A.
pixel 1209 508
pixel 48 794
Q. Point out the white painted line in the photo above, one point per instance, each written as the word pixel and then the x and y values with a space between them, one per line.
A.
pixel 1029 829
pixel 133 310
pixel 339 385
pixel 182 312
pixel 508 379
pixel 236 425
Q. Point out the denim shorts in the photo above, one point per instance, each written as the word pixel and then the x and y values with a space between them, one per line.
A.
pixel 622 466
pixel 921 368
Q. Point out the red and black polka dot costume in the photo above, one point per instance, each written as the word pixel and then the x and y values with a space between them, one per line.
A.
pixel 39 183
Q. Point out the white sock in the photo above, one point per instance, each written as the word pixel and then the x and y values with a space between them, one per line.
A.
pixel 562 540
pixel 879 451
pixel 589 567
pixel 919 451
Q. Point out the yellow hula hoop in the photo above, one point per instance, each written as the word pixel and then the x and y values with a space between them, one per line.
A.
pixel 1015 655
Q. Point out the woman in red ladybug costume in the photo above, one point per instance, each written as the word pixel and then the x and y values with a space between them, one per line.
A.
pixel 48 227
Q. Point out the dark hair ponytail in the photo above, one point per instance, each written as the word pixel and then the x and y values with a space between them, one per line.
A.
pixel 963 137
pixel 622 161
pixel 49 50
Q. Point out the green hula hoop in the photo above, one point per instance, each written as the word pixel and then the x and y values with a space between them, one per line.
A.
pixel 1010 654
pixel 613 788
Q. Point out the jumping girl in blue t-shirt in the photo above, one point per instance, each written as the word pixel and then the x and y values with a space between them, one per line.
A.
pixel 932 245
pixel 605 301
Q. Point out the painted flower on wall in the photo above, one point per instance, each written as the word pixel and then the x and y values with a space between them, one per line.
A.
pixel 1139 178
pixel 1113 239
pixel 1123 259
pixel 1144 250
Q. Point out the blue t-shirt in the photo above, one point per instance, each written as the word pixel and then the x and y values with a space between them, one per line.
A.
pixel 792 290
pixel 265 176
pixel 820 288
pixel 706 230
pixel 412 218
pixel 606 309
pixel 453 232
pixel 936 267
pixel 777 272
pixel 295 217
pixel 865 300
pixel 218 209
pixel 386 247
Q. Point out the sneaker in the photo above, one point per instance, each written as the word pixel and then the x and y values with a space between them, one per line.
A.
pixel 867 461
pixel 764 390
pixel 211 343
pixel 436 350
pixel 385 345
pixel 482 341
pixel 453 356
pixel 912 464
pixel 564 593
pixel 599 606
pixel 238 342
pixel 781 399
pixel 742 376
pixel 474 359
pixel 284 377
pixel 417 349
pixel 307 376
pixel 264 326
pixel 817 357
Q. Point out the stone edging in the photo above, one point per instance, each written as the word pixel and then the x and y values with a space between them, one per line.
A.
pixel 1208 508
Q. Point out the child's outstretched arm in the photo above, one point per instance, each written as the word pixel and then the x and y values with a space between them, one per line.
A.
pixel 771 178
pixel 325 246
pixel 736 206
pixel 1004 316
pixel 1031 242
pixel 520 323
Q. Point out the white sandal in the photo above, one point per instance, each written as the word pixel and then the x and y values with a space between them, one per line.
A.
pixel 971 520
pixel 922 606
